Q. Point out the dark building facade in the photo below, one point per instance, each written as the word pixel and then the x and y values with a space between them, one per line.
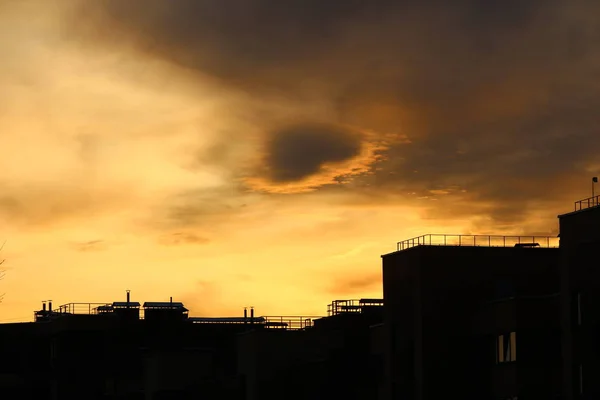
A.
pixel 330 358
pixel 580 298
pixel 155 351
pixel 466 316
pixel 106 351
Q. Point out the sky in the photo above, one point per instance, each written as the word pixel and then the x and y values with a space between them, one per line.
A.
pixel 234 153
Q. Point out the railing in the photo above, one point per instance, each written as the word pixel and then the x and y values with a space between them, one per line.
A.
pixel 80 308
pixel 227 320
pixel 289 322
pixel 352 306
pixel 478 240
pixel 587 203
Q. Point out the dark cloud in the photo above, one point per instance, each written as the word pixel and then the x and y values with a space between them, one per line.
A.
pixel 300 151
pixel 498 99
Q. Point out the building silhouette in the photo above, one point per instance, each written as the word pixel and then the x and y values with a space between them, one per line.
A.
pixel 479 317
pixel 469 315
pixel 580 299
pixel 331 358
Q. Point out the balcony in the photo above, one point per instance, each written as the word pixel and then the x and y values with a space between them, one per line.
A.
pixel 479 240
pixel 587 203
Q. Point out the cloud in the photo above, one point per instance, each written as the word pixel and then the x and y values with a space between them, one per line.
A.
pixel 92 245
pixel 37 205
pixel 308 156
pixel 300 151
pixel 182 238
pixel 356 285
pixel 488 108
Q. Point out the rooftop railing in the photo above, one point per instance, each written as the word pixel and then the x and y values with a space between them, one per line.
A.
pixel 587 203
pixel 80 308
pixel 289 322
pixel 352 306
pixel 478 240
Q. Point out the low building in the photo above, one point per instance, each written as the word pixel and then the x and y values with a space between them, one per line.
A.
pixel 120 350
pixel 324 358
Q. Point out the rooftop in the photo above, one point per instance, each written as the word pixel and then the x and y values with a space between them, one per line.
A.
pixel 69 309
pixel 352 306
pixel 163 305
pixel 478 241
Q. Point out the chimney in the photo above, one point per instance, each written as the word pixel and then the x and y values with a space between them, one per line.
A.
pixel 245 315
pixel 43 306
pixel 50 305
pixel 128 298
pixel 251 315
pixel 171 302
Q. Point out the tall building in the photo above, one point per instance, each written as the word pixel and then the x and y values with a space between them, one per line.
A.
pixel 472 316
pixel 580 295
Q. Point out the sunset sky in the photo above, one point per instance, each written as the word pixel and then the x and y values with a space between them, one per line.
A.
pixel 265 153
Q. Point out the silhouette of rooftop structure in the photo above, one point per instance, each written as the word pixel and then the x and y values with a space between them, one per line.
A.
pixel 352 306
pixel 478 241
pixel 133 310
pixel 589 202
pixel 162 305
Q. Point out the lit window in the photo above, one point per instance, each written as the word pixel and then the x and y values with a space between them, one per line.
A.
pixel 506 349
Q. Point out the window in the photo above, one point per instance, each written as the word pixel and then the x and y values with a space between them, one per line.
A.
pixel 506 348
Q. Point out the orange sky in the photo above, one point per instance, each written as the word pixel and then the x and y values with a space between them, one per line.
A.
pixel 128 169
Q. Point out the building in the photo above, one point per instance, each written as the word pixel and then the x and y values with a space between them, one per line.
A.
pixel 580 299
pixel 121 350
pixel 472 316
pixel 325 358
pixel 156 351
